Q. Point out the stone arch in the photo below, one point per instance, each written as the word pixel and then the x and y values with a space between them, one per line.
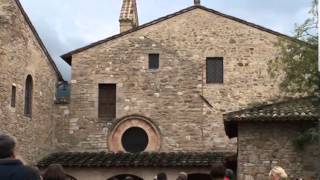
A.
pixel 123 176
pixel 117 131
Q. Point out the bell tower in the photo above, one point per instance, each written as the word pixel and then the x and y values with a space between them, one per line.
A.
pixel 128 15
pixel 197 2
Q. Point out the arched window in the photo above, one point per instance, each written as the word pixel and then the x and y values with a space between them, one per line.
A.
pixel 28 96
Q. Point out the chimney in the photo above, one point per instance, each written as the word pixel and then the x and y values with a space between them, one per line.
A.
pixel 128 16
pixel 197 2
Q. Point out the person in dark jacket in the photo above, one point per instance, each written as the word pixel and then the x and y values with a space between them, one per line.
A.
pixel 161 176
pixel 10 167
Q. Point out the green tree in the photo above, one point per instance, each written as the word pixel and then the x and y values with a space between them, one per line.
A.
pixel 297 65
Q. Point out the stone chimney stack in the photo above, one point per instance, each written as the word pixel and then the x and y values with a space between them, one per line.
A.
pixel 128 16
pixel 197 2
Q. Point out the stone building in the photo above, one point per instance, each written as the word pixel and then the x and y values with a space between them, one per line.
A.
pixel 163 87
pixel 148 99
pixel 173 77
pixel 266 136
pixel 28 78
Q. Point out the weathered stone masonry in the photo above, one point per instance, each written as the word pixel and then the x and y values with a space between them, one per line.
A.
pixel 266 136
pixel 170 95
pixel 22 54
pixel 262 146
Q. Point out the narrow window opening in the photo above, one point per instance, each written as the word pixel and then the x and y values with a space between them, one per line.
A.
pixel 28 96
pixel 13 96
pixel 107 101
pixel 154 61
pixel 214 70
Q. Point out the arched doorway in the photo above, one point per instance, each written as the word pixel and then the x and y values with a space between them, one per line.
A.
pixel 199 176
pixel 123 176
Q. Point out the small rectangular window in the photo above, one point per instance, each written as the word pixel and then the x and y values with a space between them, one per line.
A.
pixel 214 70
pixel 107 101
pixel 153 61
pixel 13 96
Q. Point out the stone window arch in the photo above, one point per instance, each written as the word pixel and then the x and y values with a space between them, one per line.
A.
pixel 28 95
pixel 121 135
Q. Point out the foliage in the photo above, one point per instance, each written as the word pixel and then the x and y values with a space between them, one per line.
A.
pixel 297 65
pixel 310 136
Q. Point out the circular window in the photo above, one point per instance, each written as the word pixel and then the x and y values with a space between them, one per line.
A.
pixel 134 140
pixel 133 134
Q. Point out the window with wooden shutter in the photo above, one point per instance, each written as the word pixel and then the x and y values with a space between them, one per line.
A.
pixel 153 61
pixel 107 101
pixel 13 96
pixel 28 96
pixel 214 70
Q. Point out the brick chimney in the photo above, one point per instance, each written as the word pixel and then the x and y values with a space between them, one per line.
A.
pixel 128 16
pixel 197 2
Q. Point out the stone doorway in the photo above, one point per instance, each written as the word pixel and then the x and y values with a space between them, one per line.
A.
pixel 123 176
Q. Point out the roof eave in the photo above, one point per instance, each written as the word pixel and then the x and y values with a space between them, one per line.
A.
pixel 176 14
pixel 35 33
pixel 231 123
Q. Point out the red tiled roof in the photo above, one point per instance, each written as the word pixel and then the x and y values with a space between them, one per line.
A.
pixel 302 109
pixel 104 159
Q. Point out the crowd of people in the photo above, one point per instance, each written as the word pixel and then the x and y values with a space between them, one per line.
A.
pixel 12 168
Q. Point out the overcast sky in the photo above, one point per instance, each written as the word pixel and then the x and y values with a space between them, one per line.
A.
pixel 65 25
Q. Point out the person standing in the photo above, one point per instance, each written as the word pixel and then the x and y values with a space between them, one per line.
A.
pixel 182 176
pixel 54 172
pixel 278 173
pixel 12 168
pixel 128 178
pixel 161 176
pixel 228 175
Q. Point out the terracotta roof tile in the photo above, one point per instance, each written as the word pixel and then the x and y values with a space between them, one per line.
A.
pixel 302 109
pixel 103 159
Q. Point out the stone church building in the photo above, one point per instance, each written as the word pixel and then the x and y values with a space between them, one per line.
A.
pixel 159 97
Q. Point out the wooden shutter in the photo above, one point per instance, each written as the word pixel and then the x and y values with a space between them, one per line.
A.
pixel 107 101
pixel 214 70
pixel 153 61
